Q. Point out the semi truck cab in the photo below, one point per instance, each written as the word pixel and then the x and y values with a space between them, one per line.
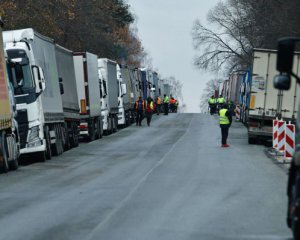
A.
pixel 28 83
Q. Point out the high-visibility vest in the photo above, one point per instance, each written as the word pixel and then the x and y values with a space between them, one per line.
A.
pixel 149 108
pixel 223 118
pixel 172 101
pixel 158 100
pixel 166 99
pixel 212 101
pixel 221 100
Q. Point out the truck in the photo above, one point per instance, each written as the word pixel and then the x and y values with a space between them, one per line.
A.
pixel 88 95
pixel 288 66
pixel 129 97
pixel 107 72
pixel 266 102
pixel 9 135
pixel 66 75
pixel 123 115
pixel 34 76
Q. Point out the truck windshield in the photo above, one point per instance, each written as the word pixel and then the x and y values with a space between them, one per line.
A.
pixel 19 71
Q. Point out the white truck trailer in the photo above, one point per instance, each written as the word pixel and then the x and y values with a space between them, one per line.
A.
pixel 88 93
pixel 66 74
pixel 107 72
pixel 33 69
pixel 266 102
pixel 123 115
pixel 9 136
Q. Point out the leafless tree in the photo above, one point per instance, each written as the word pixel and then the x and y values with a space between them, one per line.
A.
pixel 238 26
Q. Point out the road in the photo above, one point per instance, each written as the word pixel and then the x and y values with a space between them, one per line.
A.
pixel 169 181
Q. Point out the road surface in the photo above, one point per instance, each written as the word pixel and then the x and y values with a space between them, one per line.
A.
pixel 169 181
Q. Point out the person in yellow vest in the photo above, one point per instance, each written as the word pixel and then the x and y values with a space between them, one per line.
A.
pixel 225 123
pixel 221 101
pixel 166 104
pixel 212 102
pixel 149 110
pixel 139 108
pixel 158 105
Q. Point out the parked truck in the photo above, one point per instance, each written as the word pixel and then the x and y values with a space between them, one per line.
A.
pixel 66 74
pixel 128 98
pixel 288 65
pixel 88 94
pixel 123 115
pixel 266 102
pixel 33 72
pixel 107 72
pixel 9 135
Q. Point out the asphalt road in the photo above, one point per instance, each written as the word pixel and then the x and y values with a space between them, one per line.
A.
pixel 170 181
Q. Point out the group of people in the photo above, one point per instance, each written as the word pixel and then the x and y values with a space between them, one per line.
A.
pixel 215 104
pixel 150 106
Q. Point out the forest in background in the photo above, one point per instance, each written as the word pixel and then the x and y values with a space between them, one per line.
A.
pixel 102 27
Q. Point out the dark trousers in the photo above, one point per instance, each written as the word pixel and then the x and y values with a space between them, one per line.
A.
pixel 212 109
pixel 139 117
pixel 224 132
pixel 166 108
pixel 157 109
pixel 148 117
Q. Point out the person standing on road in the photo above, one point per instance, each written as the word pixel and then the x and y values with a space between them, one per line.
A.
pixel 149 110
pixel 158 105
pixel 139 108
pixel 166 104
pixel 212 104
pixel 225 123
pixel 220 102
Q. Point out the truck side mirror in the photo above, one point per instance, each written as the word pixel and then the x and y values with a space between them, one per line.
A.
pixel 285 55
pixel 61 86
pixel 282 82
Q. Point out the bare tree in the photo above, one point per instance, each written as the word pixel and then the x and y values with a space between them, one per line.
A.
pixel 238 26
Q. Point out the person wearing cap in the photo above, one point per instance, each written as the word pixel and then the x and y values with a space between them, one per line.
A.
pixel 225 123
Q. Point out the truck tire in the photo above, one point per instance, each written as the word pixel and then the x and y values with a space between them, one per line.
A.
pixel 92 132
pixel 3 153
pixel 115 123
pixel 75 139
pixel 48 143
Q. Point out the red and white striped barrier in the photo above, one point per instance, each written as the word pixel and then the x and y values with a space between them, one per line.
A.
pixel 237 112
pixel 275 134
pixel 281 136
pixel 289 141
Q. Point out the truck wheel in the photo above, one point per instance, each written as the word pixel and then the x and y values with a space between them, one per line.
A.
pixel 48 143
pixel 92 133
pixel 115 123
pixel 3 154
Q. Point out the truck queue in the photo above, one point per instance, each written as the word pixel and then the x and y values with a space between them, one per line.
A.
pixel 51 97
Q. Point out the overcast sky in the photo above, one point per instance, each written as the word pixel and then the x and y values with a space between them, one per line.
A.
pixel 164 27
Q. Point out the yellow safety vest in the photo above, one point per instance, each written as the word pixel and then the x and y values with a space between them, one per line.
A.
pixel 223 118
pixel 221 100
pixel 212 100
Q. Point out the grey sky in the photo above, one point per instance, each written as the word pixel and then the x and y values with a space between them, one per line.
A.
pixel 165 30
